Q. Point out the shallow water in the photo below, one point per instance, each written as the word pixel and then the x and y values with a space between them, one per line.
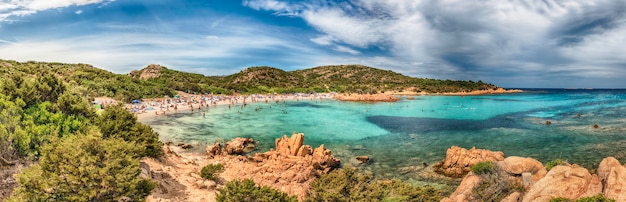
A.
pixel 411 132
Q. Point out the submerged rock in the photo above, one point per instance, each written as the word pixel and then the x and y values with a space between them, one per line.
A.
pixel 459 161
pixel 363 159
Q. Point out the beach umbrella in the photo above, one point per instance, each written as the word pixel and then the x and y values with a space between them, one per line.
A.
pixel 135 101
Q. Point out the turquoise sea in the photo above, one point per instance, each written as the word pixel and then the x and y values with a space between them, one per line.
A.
pixel 402 137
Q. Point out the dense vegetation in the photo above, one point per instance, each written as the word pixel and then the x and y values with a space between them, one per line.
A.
pixel 158 81
pixel 343 78
pixel 81 155
pixel 248 191
pixel 349 185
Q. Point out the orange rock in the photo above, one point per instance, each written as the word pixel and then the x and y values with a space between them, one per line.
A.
pixel 459 161
pixel 464 190
pixel 570 182
pixel 613 176
pixel 290 167
pixel 238 146
pixel 515 165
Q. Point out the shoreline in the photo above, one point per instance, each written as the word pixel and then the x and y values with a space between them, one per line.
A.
pixel 152 107
pixel 231 101
pixel 476 92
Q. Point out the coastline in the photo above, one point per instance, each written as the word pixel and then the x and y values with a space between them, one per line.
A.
pixel 233 101
pixel 476 92
pixel 189 102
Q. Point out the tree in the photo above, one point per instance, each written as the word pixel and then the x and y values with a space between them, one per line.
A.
pixel 71 103
pixel 10 115
pixel 84 168
pixel 117 122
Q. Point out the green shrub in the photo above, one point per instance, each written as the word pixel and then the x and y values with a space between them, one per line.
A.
pixel 555 162
pixel 596 198
pixel 494 184
pixel 484 167
pixel 117 122
pixel 349 185
pixel 247 191
pixel 84 168
pixel 211 171
pixel 561 199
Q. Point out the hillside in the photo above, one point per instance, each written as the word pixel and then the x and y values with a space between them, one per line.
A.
pixel 337 78
pixel 159 81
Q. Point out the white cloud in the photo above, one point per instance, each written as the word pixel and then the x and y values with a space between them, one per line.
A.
pixel 475 37
pixel 27 7
pixel 281 8
pixel 242 45
pixel 325 40
pixel 347 50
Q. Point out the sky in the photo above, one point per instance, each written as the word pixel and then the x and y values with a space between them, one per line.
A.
pixel 510 43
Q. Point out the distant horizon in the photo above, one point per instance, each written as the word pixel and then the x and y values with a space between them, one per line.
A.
pixel 475 80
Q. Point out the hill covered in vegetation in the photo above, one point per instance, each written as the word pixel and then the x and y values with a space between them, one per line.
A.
pixel 159 81
pixel 338 78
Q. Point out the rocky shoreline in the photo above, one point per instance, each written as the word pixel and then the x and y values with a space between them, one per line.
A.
pixel 392 96
pixel 291 167
pixel 530 180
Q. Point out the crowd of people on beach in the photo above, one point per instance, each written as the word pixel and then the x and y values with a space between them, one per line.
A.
pixel 196 102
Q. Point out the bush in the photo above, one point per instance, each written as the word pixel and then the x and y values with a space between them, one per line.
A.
pixel 348 185
pixel 596 198
pixel 485 167
pixel 117 122
pixel 84 168
pixel 247 191
pixel 211 171
pixel 555 162
pixel 494 184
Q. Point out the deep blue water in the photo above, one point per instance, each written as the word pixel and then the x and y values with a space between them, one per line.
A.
pixel 415 131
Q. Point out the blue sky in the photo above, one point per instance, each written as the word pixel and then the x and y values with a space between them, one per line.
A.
pixel 517 43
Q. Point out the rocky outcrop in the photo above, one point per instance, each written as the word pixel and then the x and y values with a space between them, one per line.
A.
pixel 290 167
pixel 613 177
pixel 214 150
pixel 239 146
pixel 148 72
pixel 567 181
pixel 517 166
pixel 570 182
pixel 459 161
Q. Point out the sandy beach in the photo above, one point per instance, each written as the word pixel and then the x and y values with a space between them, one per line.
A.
pixel 150 108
